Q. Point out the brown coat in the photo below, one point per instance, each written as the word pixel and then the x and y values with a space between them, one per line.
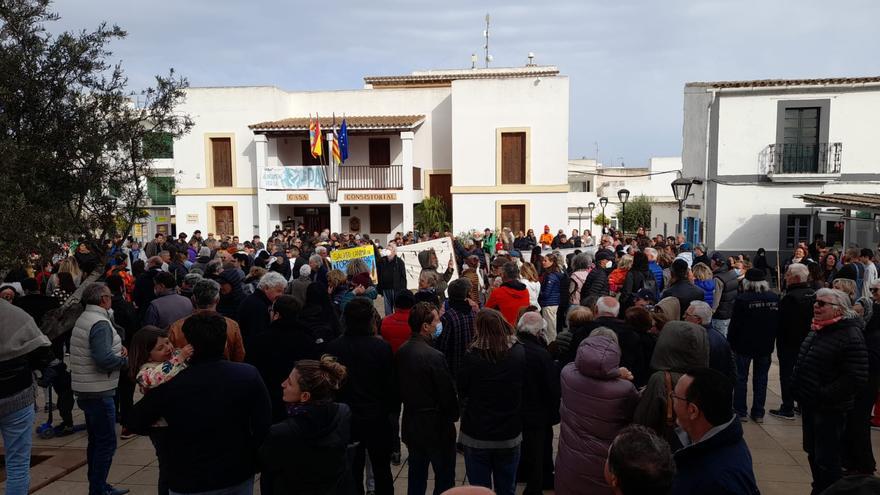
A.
pixel 234 345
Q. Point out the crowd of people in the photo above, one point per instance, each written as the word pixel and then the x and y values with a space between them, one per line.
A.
pixel 253 357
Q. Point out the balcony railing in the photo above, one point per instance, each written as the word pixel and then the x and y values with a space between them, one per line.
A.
pixel 362 177
pixel 821 158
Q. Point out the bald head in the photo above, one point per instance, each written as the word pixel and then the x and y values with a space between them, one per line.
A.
pixel 607 306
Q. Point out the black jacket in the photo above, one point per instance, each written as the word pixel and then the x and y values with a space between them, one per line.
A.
pixel 143 293
pixel 753 326
pixel 541 387
pixel 125 315
pixel 253 316
pixel 795 316
pixel 596 284
pixel 492 394
pixel 872 341
pixel 685 292
pixel 832 365
pixel 392 274
pixel 632 350
pixel 306 453
pixel 274 353
pixel 427 391
pixel 218 414
pixel 37 306
pixel 368 388
pixel 719 464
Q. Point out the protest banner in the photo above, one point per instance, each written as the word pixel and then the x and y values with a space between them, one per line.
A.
pixel 340 258
pixel 410 255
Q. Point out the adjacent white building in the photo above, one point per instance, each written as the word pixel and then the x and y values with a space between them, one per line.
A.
pixel 492 143
pixel 758 145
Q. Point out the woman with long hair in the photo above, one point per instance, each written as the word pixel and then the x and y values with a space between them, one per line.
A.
pixel 490 382
pixel 529 277
pixel 828 268
pixel 550 296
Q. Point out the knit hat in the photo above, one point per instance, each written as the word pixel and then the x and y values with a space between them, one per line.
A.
pixel 363 279
pixel 755 275
pixel 717 258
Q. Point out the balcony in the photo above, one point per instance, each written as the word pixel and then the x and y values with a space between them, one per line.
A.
pixel 351 177
pixel 363 177
pixel 802 163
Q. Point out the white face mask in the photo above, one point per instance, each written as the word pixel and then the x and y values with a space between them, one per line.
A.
pixel 385 252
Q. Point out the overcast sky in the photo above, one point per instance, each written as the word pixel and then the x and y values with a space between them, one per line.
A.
pixel 628 60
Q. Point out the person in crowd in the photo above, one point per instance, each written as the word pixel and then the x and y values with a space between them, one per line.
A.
pixel 639 462
pixel 155 246
pixel 96 356
pixel 580 270
pixel 306 451
pixel 430 405
pixel 831 366
pixel 550 296
pixel 715 457
pixel 457 326
pixel 169 306
pixel 721 358
pixel 429 263
pixel 597 403
pixel 471 272
pixel 318 267
pixel 213 395
pixel 144 289
pixel 33 303
pixel 637 278
pixel 395 327
pixel 700 255
pixel 540 404
pixel 124 316
pixel 23 350
pixel 704 279
pixel 189 281
pixel 511 296
pixel 644 298
pixel 618 274
pixel 529 277
pixel 232 293
pixel 795 317
pixel 752 335
pixel 853 269
pixel 317 317
pixel 597 281
pixel 828 268
pixel 367 391
pixel 392 276
pixel 490 382
pixel 205 298
pixel 361 286
pixel 297 287
pixel 681 346
pixel 680 285
pixel 253 314
pixel 866 257
pixel 546 238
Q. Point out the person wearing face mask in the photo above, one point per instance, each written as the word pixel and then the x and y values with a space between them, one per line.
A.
pixel 392 276
pixel 597 281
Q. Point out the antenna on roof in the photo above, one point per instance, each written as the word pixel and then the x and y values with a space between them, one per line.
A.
pixel 486 46
pixel 531 60
pixel 473 60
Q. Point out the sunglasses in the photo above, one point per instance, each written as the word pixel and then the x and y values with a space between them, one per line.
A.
pixel 822 304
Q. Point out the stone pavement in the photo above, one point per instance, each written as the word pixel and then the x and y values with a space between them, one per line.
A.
pixel 780 464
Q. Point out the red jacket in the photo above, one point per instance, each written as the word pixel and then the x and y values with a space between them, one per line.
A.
pixel 509 299
pixel 395 328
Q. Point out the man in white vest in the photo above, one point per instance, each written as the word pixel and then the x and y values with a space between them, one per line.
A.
pixel 96 355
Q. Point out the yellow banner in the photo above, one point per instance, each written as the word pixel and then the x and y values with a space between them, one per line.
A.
pixel 351 253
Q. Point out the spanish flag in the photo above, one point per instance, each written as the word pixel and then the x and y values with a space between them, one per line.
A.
pixel 315 137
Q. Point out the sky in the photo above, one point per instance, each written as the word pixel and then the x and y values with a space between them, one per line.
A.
pixel 627 60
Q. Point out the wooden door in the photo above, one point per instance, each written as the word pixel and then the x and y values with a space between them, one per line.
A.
pixel 513 158
pixel 221 156
pixel 513 217
pixel 380 152
pixel 380 219
pixel 224 221
pixel 441 185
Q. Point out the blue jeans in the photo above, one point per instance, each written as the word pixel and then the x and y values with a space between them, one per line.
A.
pixel 101 425
pixel 488 467
pixel 759 384
pixel 443 461
pixel 244 488
pixel 721 326
pixel 17 438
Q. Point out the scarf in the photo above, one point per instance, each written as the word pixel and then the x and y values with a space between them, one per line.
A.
pixel 20 335
pixel 820 324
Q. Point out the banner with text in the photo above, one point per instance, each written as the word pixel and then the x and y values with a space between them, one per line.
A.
pixel 410 256
pixel 296 177
pixel 340 258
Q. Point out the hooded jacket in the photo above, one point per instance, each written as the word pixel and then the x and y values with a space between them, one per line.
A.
pixel 508 299
pixel 753 325
pixel 596 405
pixel 682 345
pixel 229 303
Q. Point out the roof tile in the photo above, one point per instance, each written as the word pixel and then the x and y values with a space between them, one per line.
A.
pixel 362 122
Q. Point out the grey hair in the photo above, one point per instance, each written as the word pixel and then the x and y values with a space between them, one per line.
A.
pixel 605 332
pixel 316 258
pixel 841 300
pixel 703 311
pixel 532 323
pixel 799 270
pixel 608 305
pixel 320 250
pixel 93 293
pixel 272 279
pixel 752 286
pixel 581 262
pixel 206 293
pixel 305 271
pixel 192 278
pixel 650 252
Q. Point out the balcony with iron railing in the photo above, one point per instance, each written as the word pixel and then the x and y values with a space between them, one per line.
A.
pixel 351 177
pixel 784 162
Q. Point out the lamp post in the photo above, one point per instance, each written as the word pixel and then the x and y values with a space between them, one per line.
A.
pixel 681 188
pixel 623 196
pixel 580 212
pixel 603 202
pixel 590 207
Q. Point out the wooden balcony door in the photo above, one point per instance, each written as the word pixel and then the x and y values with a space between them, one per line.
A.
pixel 513 217
pixel 224 221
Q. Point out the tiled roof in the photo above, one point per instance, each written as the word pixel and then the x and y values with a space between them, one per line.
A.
pixel 852 201
pixel 767 83
pixel 447 76
pixel 362 122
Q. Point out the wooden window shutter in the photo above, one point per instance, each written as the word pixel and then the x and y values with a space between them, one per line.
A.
pixel 513 157
pixel 380 152
pixel 221 154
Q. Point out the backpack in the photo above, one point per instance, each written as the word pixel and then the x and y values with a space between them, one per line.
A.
pixel 650 283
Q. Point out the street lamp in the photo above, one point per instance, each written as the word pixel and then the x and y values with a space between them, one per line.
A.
pixel 603 202
pixel 580 212
pixel 681 188
pixel 590 207
pixel 623 196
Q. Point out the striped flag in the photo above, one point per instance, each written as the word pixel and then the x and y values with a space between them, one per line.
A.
pixel 315 137
pixel 334 148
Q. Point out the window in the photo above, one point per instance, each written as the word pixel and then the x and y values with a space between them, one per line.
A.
pixel 161 190
pixel 513 157
pixel 307 158
pixel 801 140
pixel 579 186
pixel 221 161
pixel 513 217
pixel 380 152
pixel 158 145
pixel 797 229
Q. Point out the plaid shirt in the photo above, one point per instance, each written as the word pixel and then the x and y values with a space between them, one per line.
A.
pixel 457 335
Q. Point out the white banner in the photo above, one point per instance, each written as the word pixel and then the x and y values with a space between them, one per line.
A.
pixel 296 177
pixel 410 256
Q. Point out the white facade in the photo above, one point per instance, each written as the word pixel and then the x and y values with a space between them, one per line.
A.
pixel 738 140
pixel 442 127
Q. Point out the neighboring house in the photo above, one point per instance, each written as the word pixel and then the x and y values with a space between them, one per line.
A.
pixel 491 142
pixel 757 146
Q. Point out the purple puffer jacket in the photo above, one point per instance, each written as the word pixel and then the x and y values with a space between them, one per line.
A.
pixel 596 405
